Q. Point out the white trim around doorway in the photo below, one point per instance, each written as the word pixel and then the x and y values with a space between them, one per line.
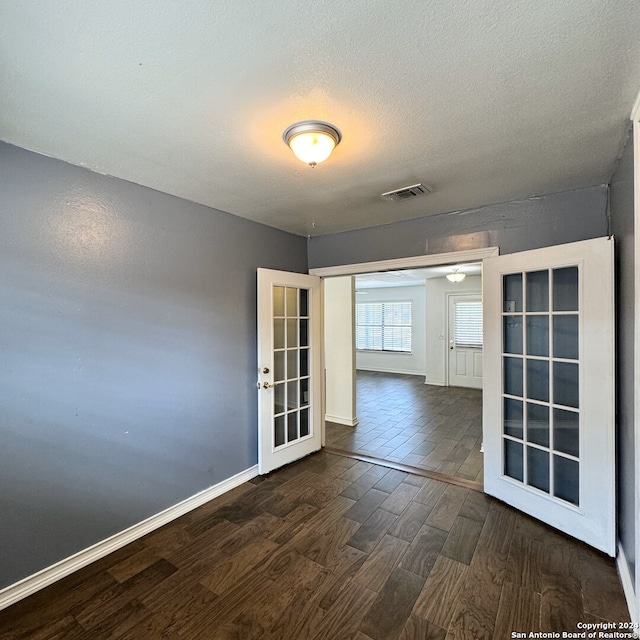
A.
pixel 413 262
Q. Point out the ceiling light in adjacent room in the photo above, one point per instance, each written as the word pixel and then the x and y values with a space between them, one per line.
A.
pixel 456 276
pixel 312 141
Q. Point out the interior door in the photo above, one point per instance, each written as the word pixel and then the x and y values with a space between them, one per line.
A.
pixel 548 400
pixel 289 361
pixel 465 340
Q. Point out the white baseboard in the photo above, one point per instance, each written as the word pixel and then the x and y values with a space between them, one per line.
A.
pixel 347 422
pixel 404 372
pixel 627 583
pixel 435 383
pixel 29 585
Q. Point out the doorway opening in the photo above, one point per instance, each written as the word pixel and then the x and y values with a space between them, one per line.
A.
pixel 408 400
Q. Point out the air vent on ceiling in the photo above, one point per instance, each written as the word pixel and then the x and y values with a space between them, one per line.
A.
pixel 407 192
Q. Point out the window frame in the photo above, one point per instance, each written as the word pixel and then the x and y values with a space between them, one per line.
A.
pixel 382 326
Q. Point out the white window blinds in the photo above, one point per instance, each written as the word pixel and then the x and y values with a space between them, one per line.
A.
pixel 383 326
pixel 468 324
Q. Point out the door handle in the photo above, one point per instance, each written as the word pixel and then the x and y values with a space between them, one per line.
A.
pixel 267 385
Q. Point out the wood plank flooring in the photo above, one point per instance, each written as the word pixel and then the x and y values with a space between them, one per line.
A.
pixel 332 547
pixel 403 420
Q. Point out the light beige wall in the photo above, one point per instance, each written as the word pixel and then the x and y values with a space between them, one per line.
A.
pixel 339 350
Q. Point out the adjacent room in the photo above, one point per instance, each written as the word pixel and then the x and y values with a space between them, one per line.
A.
pixel 418 369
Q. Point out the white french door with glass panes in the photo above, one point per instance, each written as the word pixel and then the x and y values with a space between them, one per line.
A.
pixel 289 363
pixel 548 398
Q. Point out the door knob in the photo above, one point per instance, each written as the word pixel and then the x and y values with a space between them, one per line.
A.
pixel 268 385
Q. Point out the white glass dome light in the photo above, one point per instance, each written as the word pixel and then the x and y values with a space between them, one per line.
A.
pixel 312 141
pixel 456 276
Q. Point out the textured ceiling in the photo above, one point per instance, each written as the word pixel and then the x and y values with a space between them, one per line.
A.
pixel 483 100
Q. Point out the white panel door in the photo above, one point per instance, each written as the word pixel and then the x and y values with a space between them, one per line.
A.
pixel 289 363
pixel 465 347
pixel 548 398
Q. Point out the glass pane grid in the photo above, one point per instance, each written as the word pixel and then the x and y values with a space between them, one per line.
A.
pixel 535 445
pixel 291 360
pixel 518 421
pixel 541 436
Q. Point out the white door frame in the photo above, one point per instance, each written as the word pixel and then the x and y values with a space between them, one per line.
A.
pixel 395 264
pixel 633 596
pixel 414 262
pixel 448 296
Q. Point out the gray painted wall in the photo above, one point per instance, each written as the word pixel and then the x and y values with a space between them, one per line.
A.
pixel 128 342
pixel 513 226
pixel 622 226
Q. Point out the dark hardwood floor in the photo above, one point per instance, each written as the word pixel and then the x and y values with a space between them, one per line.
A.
pixel 403 420
pixel 331 547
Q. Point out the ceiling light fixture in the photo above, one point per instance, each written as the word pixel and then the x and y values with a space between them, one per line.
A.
pixel 456 276
pixel 312 141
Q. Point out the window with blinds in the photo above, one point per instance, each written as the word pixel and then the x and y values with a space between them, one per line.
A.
pixel 383 326
pixel 468 324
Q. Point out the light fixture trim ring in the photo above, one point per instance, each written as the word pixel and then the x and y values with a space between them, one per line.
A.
pixel 311 126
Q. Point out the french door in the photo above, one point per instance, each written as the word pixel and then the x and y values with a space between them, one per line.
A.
pixel 289 363
pixel 549 386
